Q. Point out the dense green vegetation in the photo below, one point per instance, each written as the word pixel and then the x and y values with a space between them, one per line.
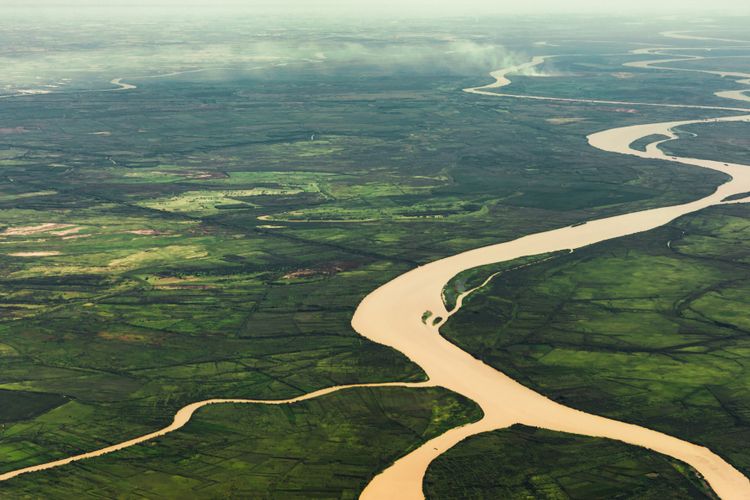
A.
pixel 22 405
pixel 324 448
pixel 650 329
pixel 522 462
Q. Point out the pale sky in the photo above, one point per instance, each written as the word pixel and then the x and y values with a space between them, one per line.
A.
pixel 398 8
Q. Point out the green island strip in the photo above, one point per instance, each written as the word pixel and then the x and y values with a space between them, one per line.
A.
pixel 641 143
pixel 738 196
pixel 471 279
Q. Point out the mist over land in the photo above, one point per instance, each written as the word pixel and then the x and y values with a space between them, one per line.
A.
pixel 389 8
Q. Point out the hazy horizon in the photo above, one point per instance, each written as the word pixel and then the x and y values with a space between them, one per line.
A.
pixel 385 8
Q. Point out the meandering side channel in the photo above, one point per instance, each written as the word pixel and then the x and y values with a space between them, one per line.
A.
pixel 183 416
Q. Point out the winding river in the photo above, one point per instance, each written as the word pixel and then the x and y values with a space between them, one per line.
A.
pixel 392 315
